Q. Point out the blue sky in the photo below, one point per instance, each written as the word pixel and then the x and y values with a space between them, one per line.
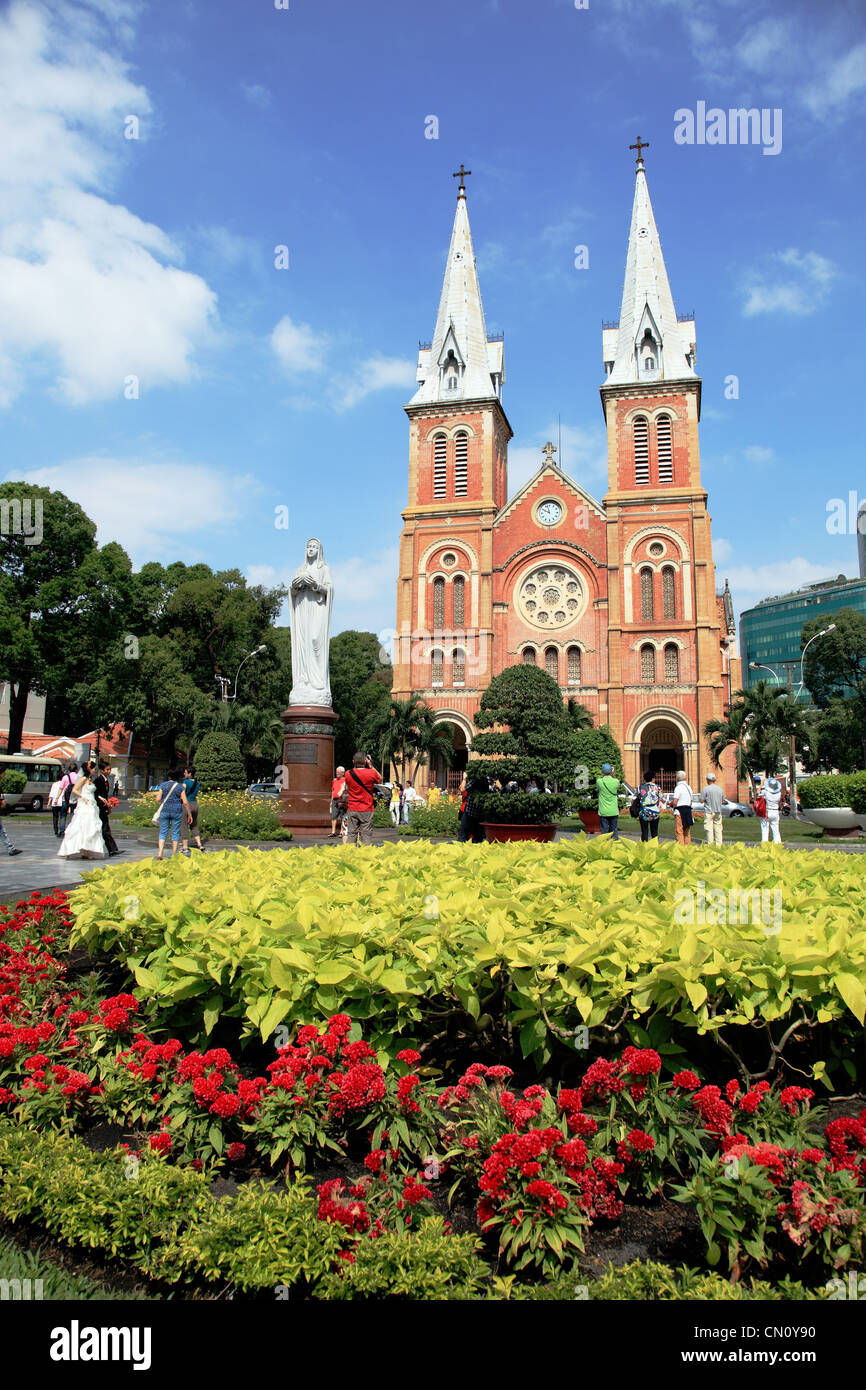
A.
pixel 261 388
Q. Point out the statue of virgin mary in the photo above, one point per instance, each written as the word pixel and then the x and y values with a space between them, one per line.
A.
pixel 312 598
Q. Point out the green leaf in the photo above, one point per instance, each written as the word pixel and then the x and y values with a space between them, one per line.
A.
pixel 332 972
pixel 215 1136
pixel 853 993
pixel 146 979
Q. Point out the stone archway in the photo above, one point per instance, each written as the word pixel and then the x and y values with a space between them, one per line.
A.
pixel 447 773
pixel 661 752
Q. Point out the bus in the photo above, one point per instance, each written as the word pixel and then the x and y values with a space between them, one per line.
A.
pixel 40 773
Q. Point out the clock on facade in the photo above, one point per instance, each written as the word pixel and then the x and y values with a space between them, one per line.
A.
pixel 549 513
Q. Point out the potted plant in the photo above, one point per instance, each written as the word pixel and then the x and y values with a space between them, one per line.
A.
pixel 531 744
pixel 12 785
pixel 836 803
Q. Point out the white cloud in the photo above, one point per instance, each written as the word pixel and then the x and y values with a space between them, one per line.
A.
pixel 722 550
pixel 230 248
pixel 299 347
pixel 584 456
pixel 257 95
pixel 759 453
pixel 154 507
pixel 365 588
pixel 828 93
pixel 801 286
pixel 84 291
pixel 751 583
pixel 374 374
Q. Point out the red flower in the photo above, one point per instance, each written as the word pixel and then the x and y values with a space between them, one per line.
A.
pixel 161 1142
pixel 226 1105
pixel 409 1056
pixel 686 1081
pixel 644 1061
pixel 792 1095
pixel 236 1152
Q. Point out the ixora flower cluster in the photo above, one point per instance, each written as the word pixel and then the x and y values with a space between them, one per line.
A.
pixel 539 1166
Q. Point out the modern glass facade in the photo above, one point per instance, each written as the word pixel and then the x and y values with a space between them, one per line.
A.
pixel 770 633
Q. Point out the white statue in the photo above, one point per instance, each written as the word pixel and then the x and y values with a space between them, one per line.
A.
pixel 312 599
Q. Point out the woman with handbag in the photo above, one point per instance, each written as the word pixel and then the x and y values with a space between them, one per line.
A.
pixel 648 807
pixel 683 798
pixel 173 807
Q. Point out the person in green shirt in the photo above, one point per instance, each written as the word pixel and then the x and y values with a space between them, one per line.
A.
pixel 608 803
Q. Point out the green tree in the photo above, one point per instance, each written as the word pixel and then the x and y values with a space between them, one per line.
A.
pixel 731 732
pixel 62 598
pixel 432 739
pixel 580 716
pixel 219 764
pixel 532 737
pixel 835 667
pixel 833 738
pixel 360 690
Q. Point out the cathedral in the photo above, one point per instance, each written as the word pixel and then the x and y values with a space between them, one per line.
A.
pixel 616 599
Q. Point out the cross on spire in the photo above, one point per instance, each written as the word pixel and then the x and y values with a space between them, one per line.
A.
pixel 549 450
pixel 641 145
pixel 461 175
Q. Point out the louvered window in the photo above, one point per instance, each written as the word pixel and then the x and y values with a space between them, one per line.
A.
pixel 529 656
pixel 459 601
pixel 648 664
pixel 459 667
pixel 461 464
pixel 669 593
pixel 574 665
pixel 438 602
pixel 672 663
pixel 646 595
pixel 665 451
pixel 437 668
pixel 551 663
pixel 440 448
pixel 641 450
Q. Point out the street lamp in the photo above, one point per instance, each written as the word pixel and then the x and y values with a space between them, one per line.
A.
pixel 822 633
pixel 257 651
pixel 792 749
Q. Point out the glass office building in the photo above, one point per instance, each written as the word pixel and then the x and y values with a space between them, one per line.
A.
pixel 771 632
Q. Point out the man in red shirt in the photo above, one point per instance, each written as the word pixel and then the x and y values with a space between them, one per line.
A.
pixel 337 787
pixel 360 781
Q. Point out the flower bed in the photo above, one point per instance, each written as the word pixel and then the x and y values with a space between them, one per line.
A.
pixel 223 816
pixel 541 940
pixel 536 1166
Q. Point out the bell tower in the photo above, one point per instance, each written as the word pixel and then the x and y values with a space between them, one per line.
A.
pixel 458 452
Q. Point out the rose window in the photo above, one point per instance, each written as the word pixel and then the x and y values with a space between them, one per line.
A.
pixel 550 597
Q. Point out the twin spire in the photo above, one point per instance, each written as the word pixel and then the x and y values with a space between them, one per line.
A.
pixel 649 343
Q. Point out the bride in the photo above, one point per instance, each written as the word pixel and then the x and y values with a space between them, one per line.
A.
pixel 83 838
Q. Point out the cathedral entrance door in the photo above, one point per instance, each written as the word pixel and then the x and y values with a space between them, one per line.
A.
pixel 661 752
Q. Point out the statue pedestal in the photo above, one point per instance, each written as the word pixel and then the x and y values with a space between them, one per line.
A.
pixel 308 768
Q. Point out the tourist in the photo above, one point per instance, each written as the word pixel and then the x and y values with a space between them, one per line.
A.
pixel 410 796
pixel 649 807
pixel 191 787
pixel 683 796
pixel 361 778
pixel 82 838
pixel 172 808
pixel 713 801
pixel 338 786
pixel 608 801
pixel 470 822
pixel 100 786
pixel 396 802
pixel 434 796
pixel 771 796
pixel 67 805
pixel 55 805
pixel 10 848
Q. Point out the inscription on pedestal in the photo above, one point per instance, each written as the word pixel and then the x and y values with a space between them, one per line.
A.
pixel 310 728
pixel 300 752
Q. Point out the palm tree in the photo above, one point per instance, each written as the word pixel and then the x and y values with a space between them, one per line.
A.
pixel 431 740
pixel 394 732
pixel 772 720
pixel 732 730
pixel 580 716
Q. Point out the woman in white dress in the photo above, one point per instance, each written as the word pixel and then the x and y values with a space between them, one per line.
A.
pixel 83 838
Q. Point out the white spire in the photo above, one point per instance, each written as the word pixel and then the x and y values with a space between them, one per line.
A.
pixel 460 364
pixel 649 344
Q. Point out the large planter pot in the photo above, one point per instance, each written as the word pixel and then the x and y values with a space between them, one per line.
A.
pixel 591 821
pixel 835 820
pixel 497 832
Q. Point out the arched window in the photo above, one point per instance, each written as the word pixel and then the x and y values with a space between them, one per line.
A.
pixel 641 450
pixel 669 593
pixel 440 454
pixel 461 464
pixel 437 667
pixel 647 610
pixel 574 665
pixel 672 663
pixel 529 656
pixel 458 667
pixel 551 663
pixel 648 664
pixel 459 601
pixel 450 372
pixel 664 448
pixel 439 602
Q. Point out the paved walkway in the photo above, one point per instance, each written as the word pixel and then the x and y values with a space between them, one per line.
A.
pixel 38 866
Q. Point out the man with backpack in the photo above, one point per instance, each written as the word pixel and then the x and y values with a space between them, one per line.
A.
pixel 361 778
